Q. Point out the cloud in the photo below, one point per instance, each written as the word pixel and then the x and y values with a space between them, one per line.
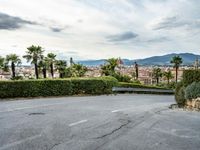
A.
pixel 159 39
pixel 126 36
pixel 8 22
pixel 169 23
pixel 176 22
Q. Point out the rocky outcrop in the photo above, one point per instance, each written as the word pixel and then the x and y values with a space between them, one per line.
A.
pixel 193 104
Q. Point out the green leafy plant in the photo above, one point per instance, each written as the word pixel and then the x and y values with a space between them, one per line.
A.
pixel 190 76
pixel 192 91
pixel 180 94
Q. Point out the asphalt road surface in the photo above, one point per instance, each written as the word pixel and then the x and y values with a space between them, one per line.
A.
pixel 121 122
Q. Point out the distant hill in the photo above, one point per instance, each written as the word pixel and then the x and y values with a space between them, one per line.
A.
pixel 188 59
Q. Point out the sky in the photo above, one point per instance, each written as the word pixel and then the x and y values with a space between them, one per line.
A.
pixel 96 29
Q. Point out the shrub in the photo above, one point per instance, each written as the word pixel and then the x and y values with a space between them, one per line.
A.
pixel 122 78
pixel 135 85
pixel 17 78
pixel 135 81
pixel 101 85
pixel 192 91
pixel 190 76
pixel 57 87
pixel 180 94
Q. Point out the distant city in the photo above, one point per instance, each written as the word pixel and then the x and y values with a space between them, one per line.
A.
pixel 145 68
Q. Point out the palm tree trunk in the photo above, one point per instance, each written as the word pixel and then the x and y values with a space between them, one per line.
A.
pixel 36 71
pixel 52 73
pixel 61 75
pixel 13 69
pixel 44 71
pixel 176 74
pixel 168 81
pixel 157 80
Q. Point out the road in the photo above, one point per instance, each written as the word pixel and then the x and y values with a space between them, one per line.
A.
pixel 114 122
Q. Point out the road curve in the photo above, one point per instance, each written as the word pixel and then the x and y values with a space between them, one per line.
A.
pixel 115 122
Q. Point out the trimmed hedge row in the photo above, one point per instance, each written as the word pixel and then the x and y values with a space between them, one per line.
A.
pixel 56 87
pixel 134 85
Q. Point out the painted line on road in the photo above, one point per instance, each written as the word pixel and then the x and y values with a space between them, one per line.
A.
pixel 79 122
pixel 32 107
pixel 114 111
pixel 118 110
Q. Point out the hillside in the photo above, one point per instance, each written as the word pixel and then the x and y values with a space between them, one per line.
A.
pixel 188 59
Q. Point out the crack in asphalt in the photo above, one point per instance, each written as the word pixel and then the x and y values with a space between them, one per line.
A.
pixel 141 119
pixel 115 130
pixel 54 145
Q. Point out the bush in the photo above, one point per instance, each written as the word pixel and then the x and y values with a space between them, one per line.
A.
pixel 17 78
pixel 190 76
pixel 57 87
pixel 180 94
pixel 122 78
pixel 135 81
pixel 192 91
pixel 101 85
pixel 135 85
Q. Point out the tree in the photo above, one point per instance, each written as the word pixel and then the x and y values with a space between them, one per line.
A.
pixel 51 58
pixel 43 65
pixel 14 60
pixel 177 61
pixel 109 67
pixel 2 60
pixel 78 70
pixel 3 64
pixel 113 63
pixel 157 73
pixel 34 55
pixel 136 70
pixel 168 75
pixel 61 67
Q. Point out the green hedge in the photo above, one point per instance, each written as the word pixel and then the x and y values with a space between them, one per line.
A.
pixel 135 85
pixel 57 87
pixel 190 76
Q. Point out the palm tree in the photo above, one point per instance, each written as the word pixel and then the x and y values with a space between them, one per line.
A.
pixel 51 58
pixel 14 60
pixel 61 66
pixel 157 73
pixel 168 74
pixel 109 67
pixel 177 61
pixel 43 65
pixel 113 63
pixel 34 54
pixel 78 70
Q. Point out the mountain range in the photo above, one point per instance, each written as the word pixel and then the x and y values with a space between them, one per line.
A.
pixel 188 59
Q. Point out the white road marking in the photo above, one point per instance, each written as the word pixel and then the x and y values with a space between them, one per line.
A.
pixel 22 108
pixel 114 111
pixel 76 123
pixel 117 110
pixel 19 142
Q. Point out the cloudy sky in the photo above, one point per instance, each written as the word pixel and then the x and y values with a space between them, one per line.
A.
pixel 93 29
